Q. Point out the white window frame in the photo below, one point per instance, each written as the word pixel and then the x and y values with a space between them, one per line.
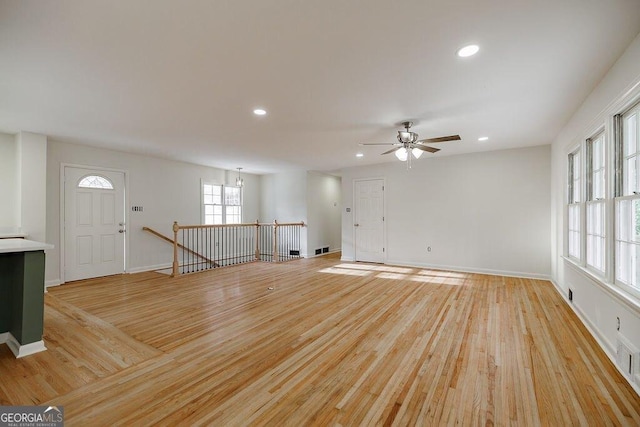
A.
pixel 596 208
pixel 627 240
pixel 232 209
pixel 224 208
pixel 574 205
pixel 610 120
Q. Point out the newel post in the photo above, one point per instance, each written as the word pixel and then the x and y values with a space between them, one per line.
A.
pixel 275 241
pixel 257 240
pixel 174 271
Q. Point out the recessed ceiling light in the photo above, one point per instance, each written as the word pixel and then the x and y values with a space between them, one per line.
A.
pixel 259 112
pixel 359 155
pixel 469 50
pixel 483 138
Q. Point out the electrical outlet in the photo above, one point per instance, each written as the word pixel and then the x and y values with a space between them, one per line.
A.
pixel 617 323
pixel 570 295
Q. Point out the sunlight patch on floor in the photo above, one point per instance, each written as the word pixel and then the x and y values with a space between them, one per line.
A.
pixel 436 277
pixel 384 268
pixel 347 272
pixel 395 276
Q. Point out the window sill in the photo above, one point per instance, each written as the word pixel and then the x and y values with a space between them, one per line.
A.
pixel 632 302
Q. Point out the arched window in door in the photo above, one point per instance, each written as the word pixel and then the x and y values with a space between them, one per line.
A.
pixel 95 181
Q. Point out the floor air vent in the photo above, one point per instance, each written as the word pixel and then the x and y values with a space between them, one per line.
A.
pixel 627 358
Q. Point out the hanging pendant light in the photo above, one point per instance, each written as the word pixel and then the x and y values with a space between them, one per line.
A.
pixel 239 180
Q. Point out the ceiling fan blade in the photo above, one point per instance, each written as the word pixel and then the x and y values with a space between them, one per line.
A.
pixel 442 139
pixel 379 143
pixel 391 151
pixel 426 148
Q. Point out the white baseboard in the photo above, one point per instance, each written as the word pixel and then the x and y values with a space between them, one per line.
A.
pixel 58 282
pixel 4 337
pixel 326 253
pixel 492 272
pixel 347 259
pixel 20 350
pixel 604 344
pixel 150 268
pixel 51 283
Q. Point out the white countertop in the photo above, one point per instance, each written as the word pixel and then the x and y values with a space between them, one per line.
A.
pixel 22 245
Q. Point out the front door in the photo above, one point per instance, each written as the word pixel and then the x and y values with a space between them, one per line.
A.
pixel 369 220
pixel 94 225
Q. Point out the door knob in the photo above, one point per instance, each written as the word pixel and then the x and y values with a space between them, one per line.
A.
pixel 121 231
pixel 356 225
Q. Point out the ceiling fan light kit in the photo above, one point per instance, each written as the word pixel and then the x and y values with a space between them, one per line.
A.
pixel 401 154
pixel 409 146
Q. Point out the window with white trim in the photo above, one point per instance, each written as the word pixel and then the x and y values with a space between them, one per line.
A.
pixel 595 206
pixel 574 207
pixel 232 205
pixel 221 204
pixel 627 211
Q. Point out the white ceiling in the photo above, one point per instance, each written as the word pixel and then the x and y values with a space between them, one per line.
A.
pixel 179 79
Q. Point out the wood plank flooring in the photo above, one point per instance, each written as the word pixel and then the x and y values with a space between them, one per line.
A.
pixel 333 344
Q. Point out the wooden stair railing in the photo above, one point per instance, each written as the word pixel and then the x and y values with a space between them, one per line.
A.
pixel 169 240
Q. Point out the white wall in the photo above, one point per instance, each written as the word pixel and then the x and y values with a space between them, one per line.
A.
pixel 599 305
pixel 324 212
pixel 167 190
pixel 23 184
pixel 312 197
pixel 32 178
pixel 485 212
pixel 284 198
pixel 9 188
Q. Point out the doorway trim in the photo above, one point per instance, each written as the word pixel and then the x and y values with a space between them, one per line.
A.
pixel 384 213
pixel 61 230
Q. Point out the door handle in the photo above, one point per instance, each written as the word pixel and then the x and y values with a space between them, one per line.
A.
pixel 122 231
pixel 356 225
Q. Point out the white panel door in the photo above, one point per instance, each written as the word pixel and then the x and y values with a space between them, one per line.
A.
pixel 369 220
pixel 94 225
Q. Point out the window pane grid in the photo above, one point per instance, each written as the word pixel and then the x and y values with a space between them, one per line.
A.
pixel 576 177
pixel 596 238
pixel 574 230
pixel 219 209
pixel 627 207
pixel 631 153
pixel 597 168
pixel 628 241
pixel 212 201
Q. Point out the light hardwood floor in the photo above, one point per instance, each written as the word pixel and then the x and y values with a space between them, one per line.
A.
pixel 333 344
